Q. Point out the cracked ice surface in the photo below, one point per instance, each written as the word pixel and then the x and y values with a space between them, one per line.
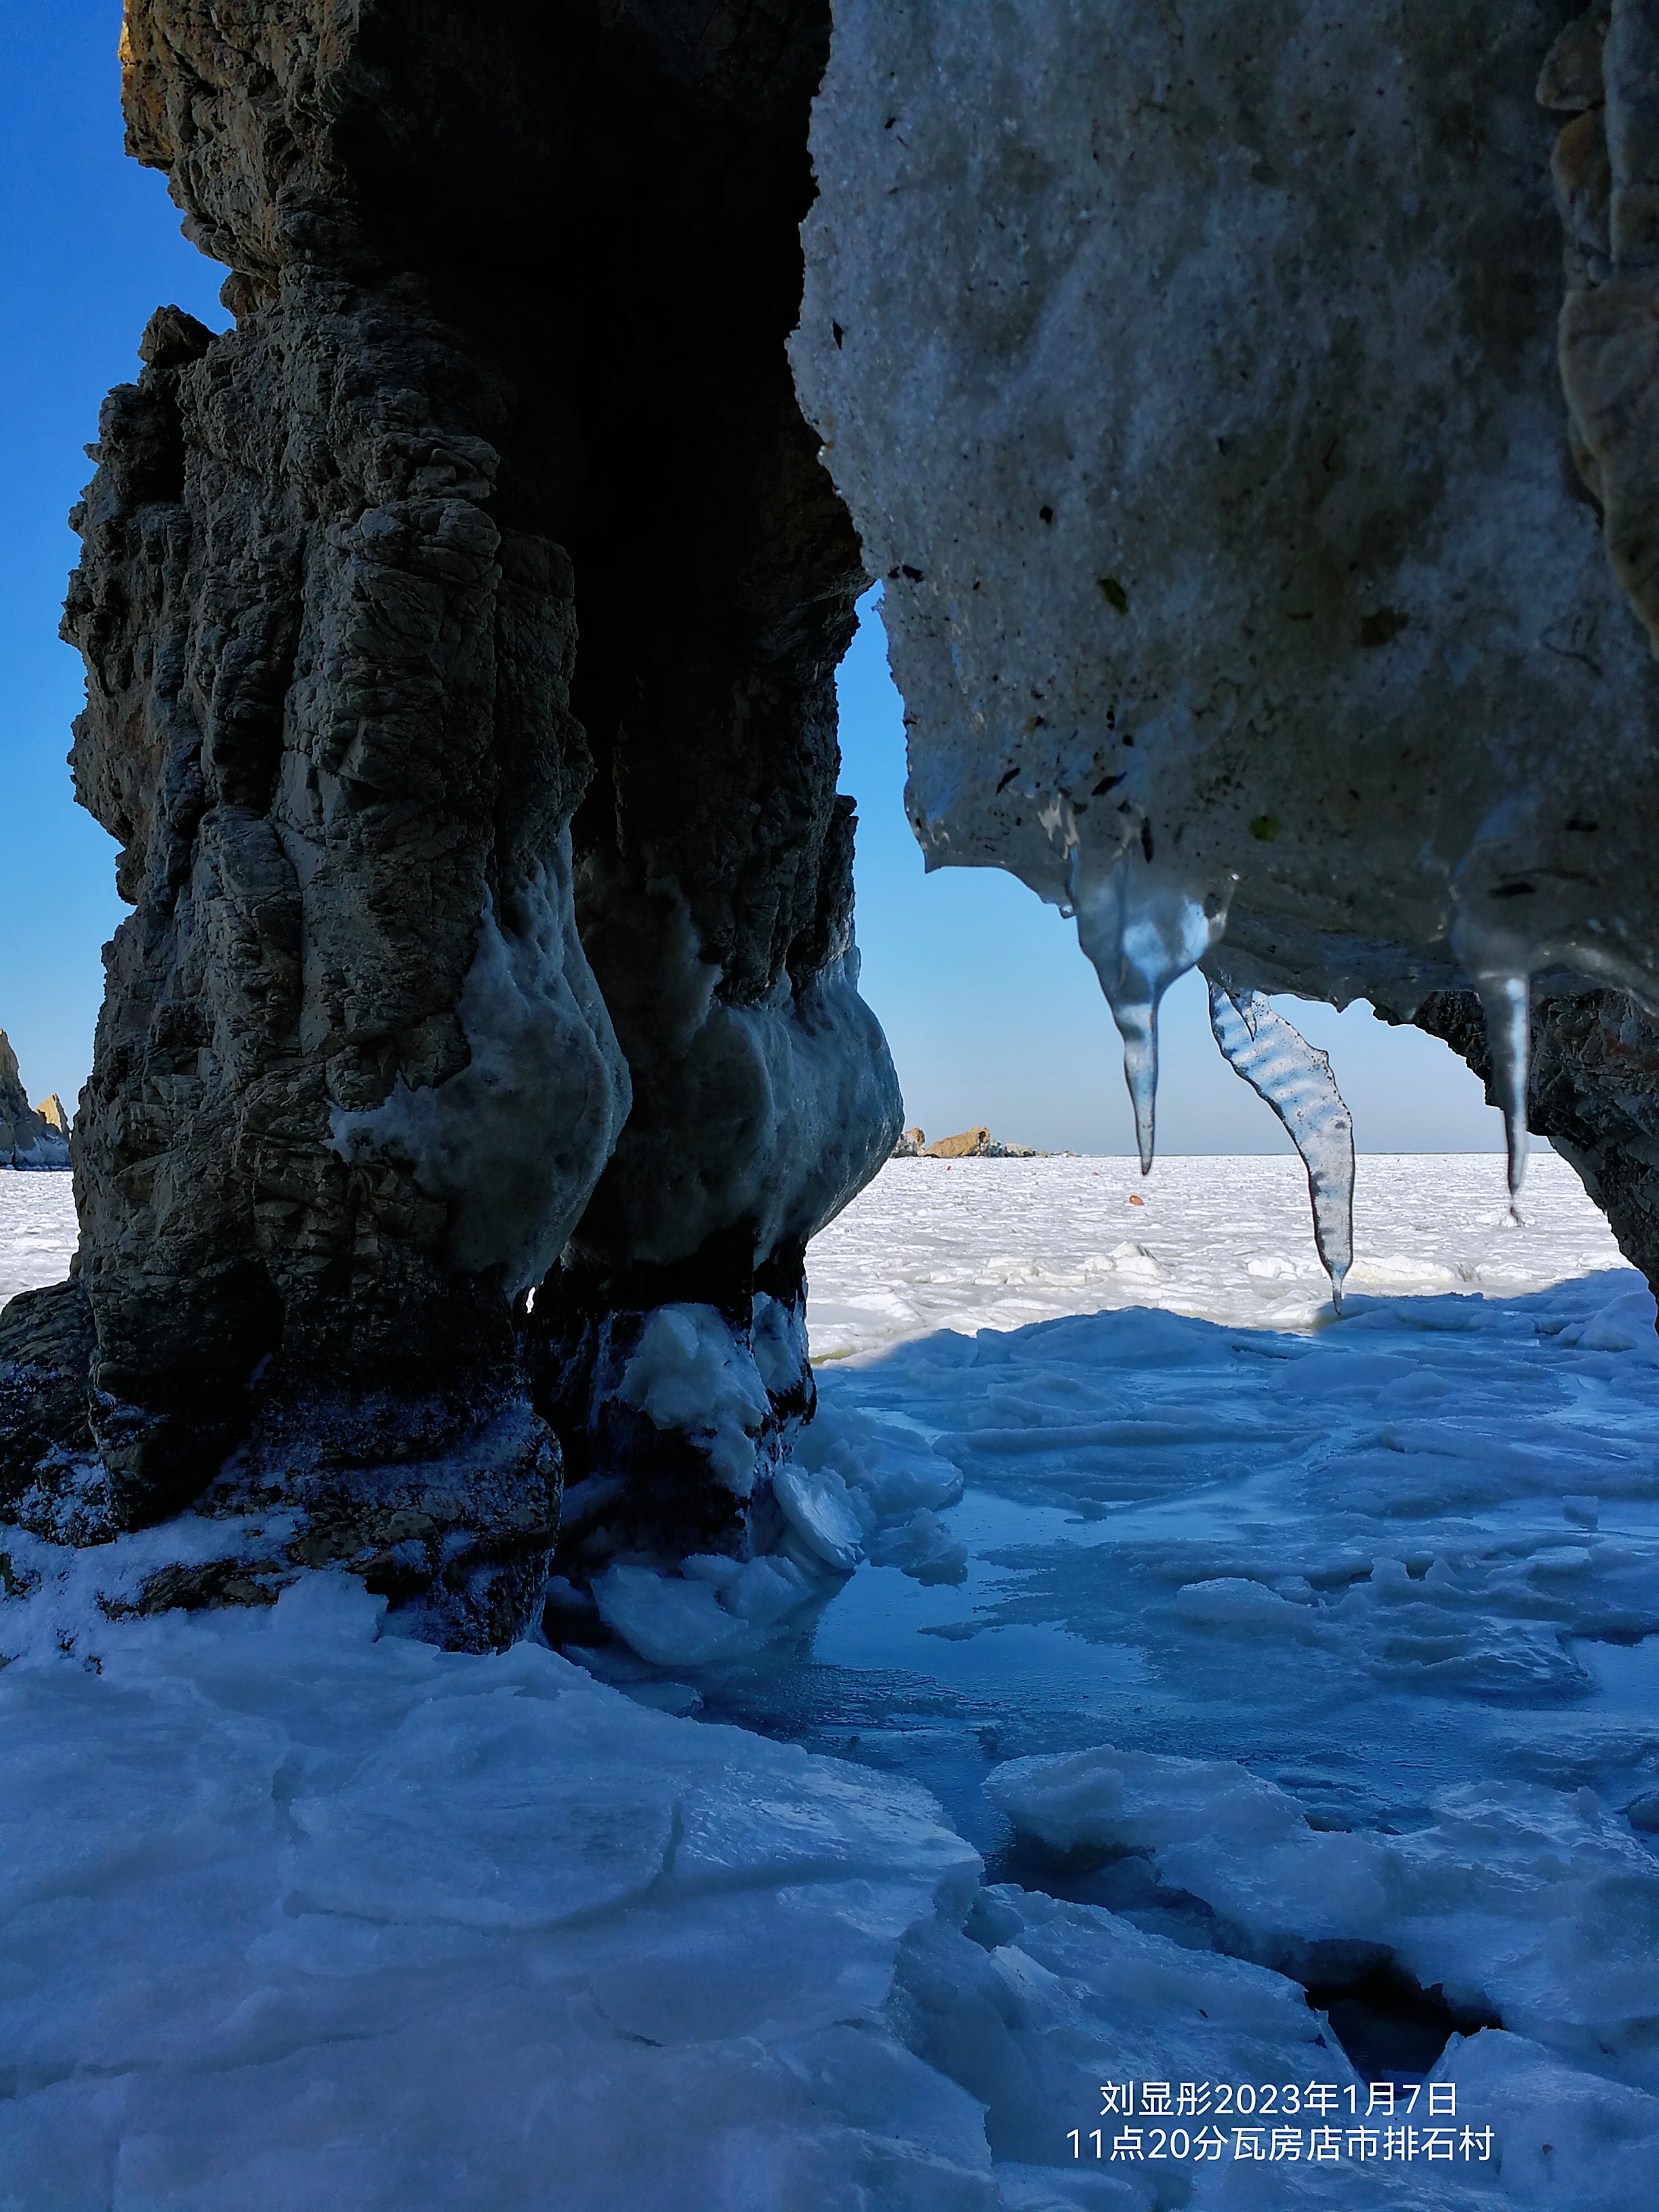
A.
pixel 1308 1640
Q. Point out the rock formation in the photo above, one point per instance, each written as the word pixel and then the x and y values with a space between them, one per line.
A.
pixel 459 630
pixel 30 1137
pixel 485 1044
pixel 960 1147
pixel 1193 385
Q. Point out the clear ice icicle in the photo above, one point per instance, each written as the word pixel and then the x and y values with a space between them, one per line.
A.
pixel 1295 1079
pixel 1505 1000
pixel 1142 927
pixel 1499 964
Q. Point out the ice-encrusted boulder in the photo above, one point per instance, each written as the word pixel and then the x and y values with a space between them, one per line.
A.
pixel 30 1137
pixel 1193 383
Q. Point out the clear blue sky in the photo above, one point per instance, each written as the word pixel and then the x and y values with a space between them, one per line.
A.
pixel 992 1013
pixel 92 246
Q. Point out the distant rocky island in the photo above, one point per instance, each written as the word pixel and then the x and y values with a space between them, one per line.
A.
pixel 30 1136
pixel 974 1144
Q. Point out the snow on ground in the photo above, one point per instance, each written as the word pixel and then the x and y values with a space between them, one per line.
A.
pixel 1261 1652
pixel 971 1244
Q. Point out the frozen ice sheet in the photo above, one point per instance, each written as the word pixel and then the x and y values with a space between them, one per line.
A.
pixel 1363 1615
pixel 970 1244
pixel 38 1229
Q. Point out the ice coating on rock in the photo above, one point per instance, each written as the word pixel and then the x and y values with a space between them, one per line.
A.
pixel 1142 927
pixel 1295 1079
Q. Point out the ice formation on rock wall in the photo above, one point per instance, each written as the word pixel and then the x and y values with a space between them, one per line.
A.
pixel 1218 488
pixel 516 1140
pixel 688 1372
pixel 1295 1079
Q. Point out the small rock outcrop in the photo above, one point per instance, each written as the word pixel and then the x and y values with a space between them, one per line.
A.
pixel 959 1147
pixel 30 1137
pixel 974 1144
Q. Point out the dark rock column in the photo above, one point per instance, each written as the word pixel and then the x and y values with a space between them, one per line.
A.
pixel 354 1080
pixel 503 442
pixel 716 571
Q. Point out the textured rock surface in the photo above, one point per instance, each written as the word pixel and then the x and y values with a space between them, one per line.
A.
pixel 1604 70
pixel 459 650
pixel 1192 384
pixel 1594 1093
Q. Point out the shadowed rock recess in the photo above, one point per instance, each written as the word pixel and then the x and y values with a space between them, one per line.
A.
pixel 460 630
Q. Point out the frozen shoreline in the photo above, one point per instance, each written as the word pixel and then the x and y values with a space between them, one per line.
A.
pixel 311 1916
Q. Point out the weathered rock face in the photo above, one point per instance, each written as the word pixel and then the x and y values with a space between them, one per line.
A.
pixel 460 632
pixel 30 1137
pixel 1193 385
pixel 1604 72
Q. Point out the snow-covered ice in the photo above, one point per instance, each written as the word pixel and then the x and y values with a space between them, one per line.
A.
pixel 37 1230
pixel 1250 1651
pixel 972 1244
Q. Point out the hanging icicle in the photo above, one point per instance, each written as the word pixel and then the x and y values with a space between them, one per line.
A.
pixel 1142 927
pixel 1498 962
pixel 1295 1079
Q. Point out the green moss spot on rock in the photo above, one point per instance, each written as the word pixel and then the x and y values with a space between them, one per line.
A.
pixel 1116 598
pixel 1264 827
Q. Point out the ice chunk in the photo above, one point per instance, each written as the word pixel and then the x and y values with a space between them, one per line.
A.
pixel 312 1918
pixel 688 1371
pixel 1624 1324
pixel 670 1622
pixel 1511 1898
pixel 778 1334
pixel 1568 2140
pixel 815 1506
pixel 1295 1079
pixel 921 1547
pixel 1033 2003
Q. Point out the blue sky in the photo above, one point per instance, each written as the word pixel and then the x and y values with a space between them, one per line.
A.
pixel 92 246
pixel 992 1013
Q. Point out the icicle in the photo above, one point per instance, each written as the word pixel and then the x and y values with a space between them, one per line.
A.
pixel 1295 1079
pixel 1142 927
pixel 1499 964
pixel 1504 1001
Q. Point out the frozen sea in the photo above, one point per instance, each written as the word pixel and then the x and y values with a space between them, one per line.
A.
pixel 1243 1720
